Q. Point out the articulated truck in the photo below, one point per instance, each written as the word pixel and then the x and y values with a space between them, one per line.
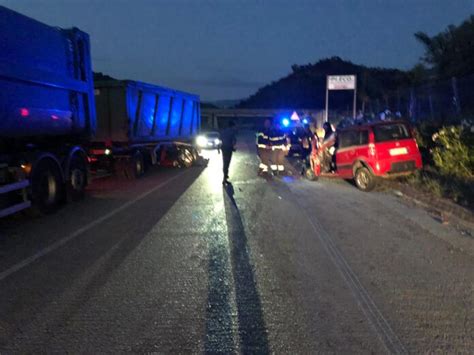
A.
pixel 139 123
pixel 47 113
pixel 49 130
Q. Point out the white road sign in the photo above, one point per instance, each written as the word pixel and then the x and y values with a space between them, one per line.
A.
pixel 341 82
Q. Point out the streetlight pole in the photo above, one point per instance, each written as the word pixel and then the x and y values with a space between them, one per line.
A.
pixel 355 97
pixel 327 99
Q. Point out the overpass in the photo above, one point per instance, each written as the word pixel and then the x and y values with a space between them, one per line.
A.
pixel 216 118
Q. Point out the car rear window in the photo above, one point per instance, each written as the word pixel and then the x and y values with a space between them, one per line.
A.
pixel 391 132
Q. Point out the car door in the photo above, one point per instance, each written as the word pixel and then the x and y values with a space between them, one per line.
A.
pixel 346 152
pixel 362 145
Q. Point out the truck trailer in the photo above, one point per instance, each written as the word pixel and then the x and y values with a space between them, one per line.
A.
pixel 139 123
pixel 50 134
pixel 47 113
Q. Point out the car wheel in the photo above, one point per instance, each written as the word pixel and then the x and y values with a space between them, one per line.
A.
pixel 364 179
pixel 309 174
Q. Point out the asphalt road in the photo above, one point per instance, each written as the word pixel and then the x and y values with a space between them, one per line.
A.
pixel 174 262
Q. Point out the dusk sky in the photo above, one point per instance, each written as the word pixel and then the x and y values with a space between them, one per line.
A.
pixel 227 49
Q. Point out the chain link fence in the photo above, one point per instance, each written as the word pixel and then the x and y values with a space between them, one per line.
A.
pixel 445 102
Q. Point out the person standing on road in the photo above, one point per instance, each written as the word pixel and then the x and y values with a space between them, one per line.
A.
pixel 307 137
pixel 279 143
pixel 328 147
pixel 229 140
pixel 264 148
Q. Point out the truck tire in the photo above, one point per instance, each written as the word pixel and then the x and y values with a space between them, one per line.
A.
pixel 364 179
pixel 46 187
pixel 77 179
pixel 136 168
pixel 185 157
pixel 195 154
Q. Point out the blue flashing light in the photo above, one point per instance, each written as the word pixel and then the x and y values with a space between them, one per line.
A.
pixel 305 121
pixel 285 122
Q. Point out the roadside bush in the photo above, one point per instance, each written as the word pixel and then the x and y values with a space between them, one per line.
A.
pixel 430 180
pixel 448 159
pixel 453 154
pixel 423 134
pixel 434 186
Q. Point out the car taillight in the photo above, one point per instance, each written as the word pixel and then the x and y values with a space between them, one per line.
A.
pixel 372 149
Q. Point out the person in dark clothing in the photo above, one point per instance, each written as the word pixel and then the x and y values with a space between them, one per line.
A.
pixel 278 142
pixel 229 140
pixel 306 139
pixel 328 131
pixel 328 148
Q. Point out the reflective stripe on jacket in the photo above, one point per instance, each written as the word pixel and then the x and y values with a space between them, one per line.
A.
pixel 277 139
pixel 263 139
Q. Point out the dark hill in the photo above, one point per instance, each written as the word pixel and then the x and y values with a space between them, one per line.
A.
pixel 305 87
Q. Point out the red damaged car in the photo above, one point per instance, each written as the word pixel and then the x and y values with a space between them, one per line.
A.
pixel 366 152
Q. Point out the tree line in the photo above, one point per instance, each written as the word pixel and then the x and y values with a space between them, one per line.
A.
pixel 447 54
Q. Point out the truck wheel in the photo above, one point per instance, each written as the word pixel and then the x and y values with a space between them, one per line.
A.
pixel 137 166
pixel 46 187
pixel 185 157
pixel 195 154
pixel 364 179
pixel 77 179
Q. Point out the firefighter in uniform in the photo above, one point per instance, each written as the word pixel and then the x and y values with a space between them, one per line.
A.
pixel 264 148
pixel 278 143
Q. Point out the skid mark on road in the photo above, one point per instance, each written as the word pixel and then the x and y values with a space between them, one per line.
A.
pixel 365 302
pixel 43 252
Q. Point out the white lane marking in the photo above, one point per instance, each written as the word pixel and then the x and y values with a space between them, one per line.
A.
pixel 24 263
pixel 375 317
